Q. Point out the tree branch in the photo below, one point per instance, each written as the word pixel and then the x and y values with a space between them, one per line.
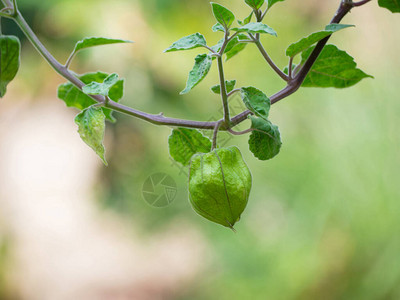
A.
pixel 295 84
pixel 64 72
pixel 264 53
pixel 224 124
pixel 360 3
pixel 269 60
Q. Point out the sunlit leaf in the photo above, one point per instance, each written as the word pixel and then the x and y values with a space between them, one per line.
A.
pixel 192 41
pixel 313 38
pixel 91 123
pixel 265 141
pixel 103 88
pixel 200 70
pixel 10 49
pixel 223 15
pixel 218 27
pixel 74 97
pixel 333 68
pixel 184 143
pixel 392 5
pixel 256 27
pixel 230 85
pixel 97 41
pixel 272 2
pixel 256 101
pixel 246 20
pixel 255 4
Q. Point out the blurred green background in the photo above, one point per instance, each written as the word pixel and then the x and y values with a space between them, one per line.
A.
pixel 323 217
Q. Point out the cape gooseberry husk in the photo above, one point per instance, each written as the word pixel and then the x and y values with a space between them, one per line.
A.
pixel 219 185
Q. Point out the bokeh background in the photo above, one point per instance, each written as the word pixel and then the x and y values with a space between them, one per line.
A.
pixel 323 218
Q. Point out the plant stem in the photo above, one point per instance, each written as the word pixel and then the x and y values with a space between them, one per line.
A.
pixel 224 95
pixel 233 92
pixel 294 84
pixel 63 71
pixel 360 3
pixel 215 135
pixel 342 11
pixel 268 59
pixel 240 132
pixel 15 8
pixel 6 3
pixel 223 124
pixel 69 60
pixel 290 71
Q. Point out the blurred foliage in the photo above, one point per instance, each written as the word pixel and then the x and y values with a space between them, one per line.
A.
pixel 323 217
pixel 6 289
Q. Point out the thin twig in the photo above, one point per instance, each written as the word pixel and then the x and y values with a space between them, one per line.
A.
pixel 224 124
pixel 15 8
pixel 209 48
pixel 231 37
pixel 240 132
pixel 360 3
pixel 233 92
pixel 154 119
pixel 224 96
pixel 215 135
pixel 290 68
pixel 246 41
pixel 268 59
pixel 295 84
pixel 4 14
pixel 69 60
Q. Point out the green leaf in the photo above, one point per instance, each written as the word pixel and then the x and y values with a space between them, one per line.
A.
pixel 235 50
pixel 184 143
pixel 97 41
pixel 91 122
pixel 200 70
pixel 103 88
pixel 10 49
pixel 333 68
pixel 286 69
pixel 255 4
pixel 73 97
pixel 235 46
pixel 392 5
pixel 218 27
pixel 256 27
pixel 234 42
pixel 223 15
pixel 218 46
pixel 265 141
pixel 247 20
pixel 272 2
pixel 192 41
pixel 313 38
pixel 230 85
pixel 256 101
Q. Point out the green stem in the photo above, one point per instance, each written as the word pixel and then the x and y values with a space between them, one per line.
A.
pixel 268 59
pixel 224 95
pixel 63 71
pixel 215 135
pixel 223 124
